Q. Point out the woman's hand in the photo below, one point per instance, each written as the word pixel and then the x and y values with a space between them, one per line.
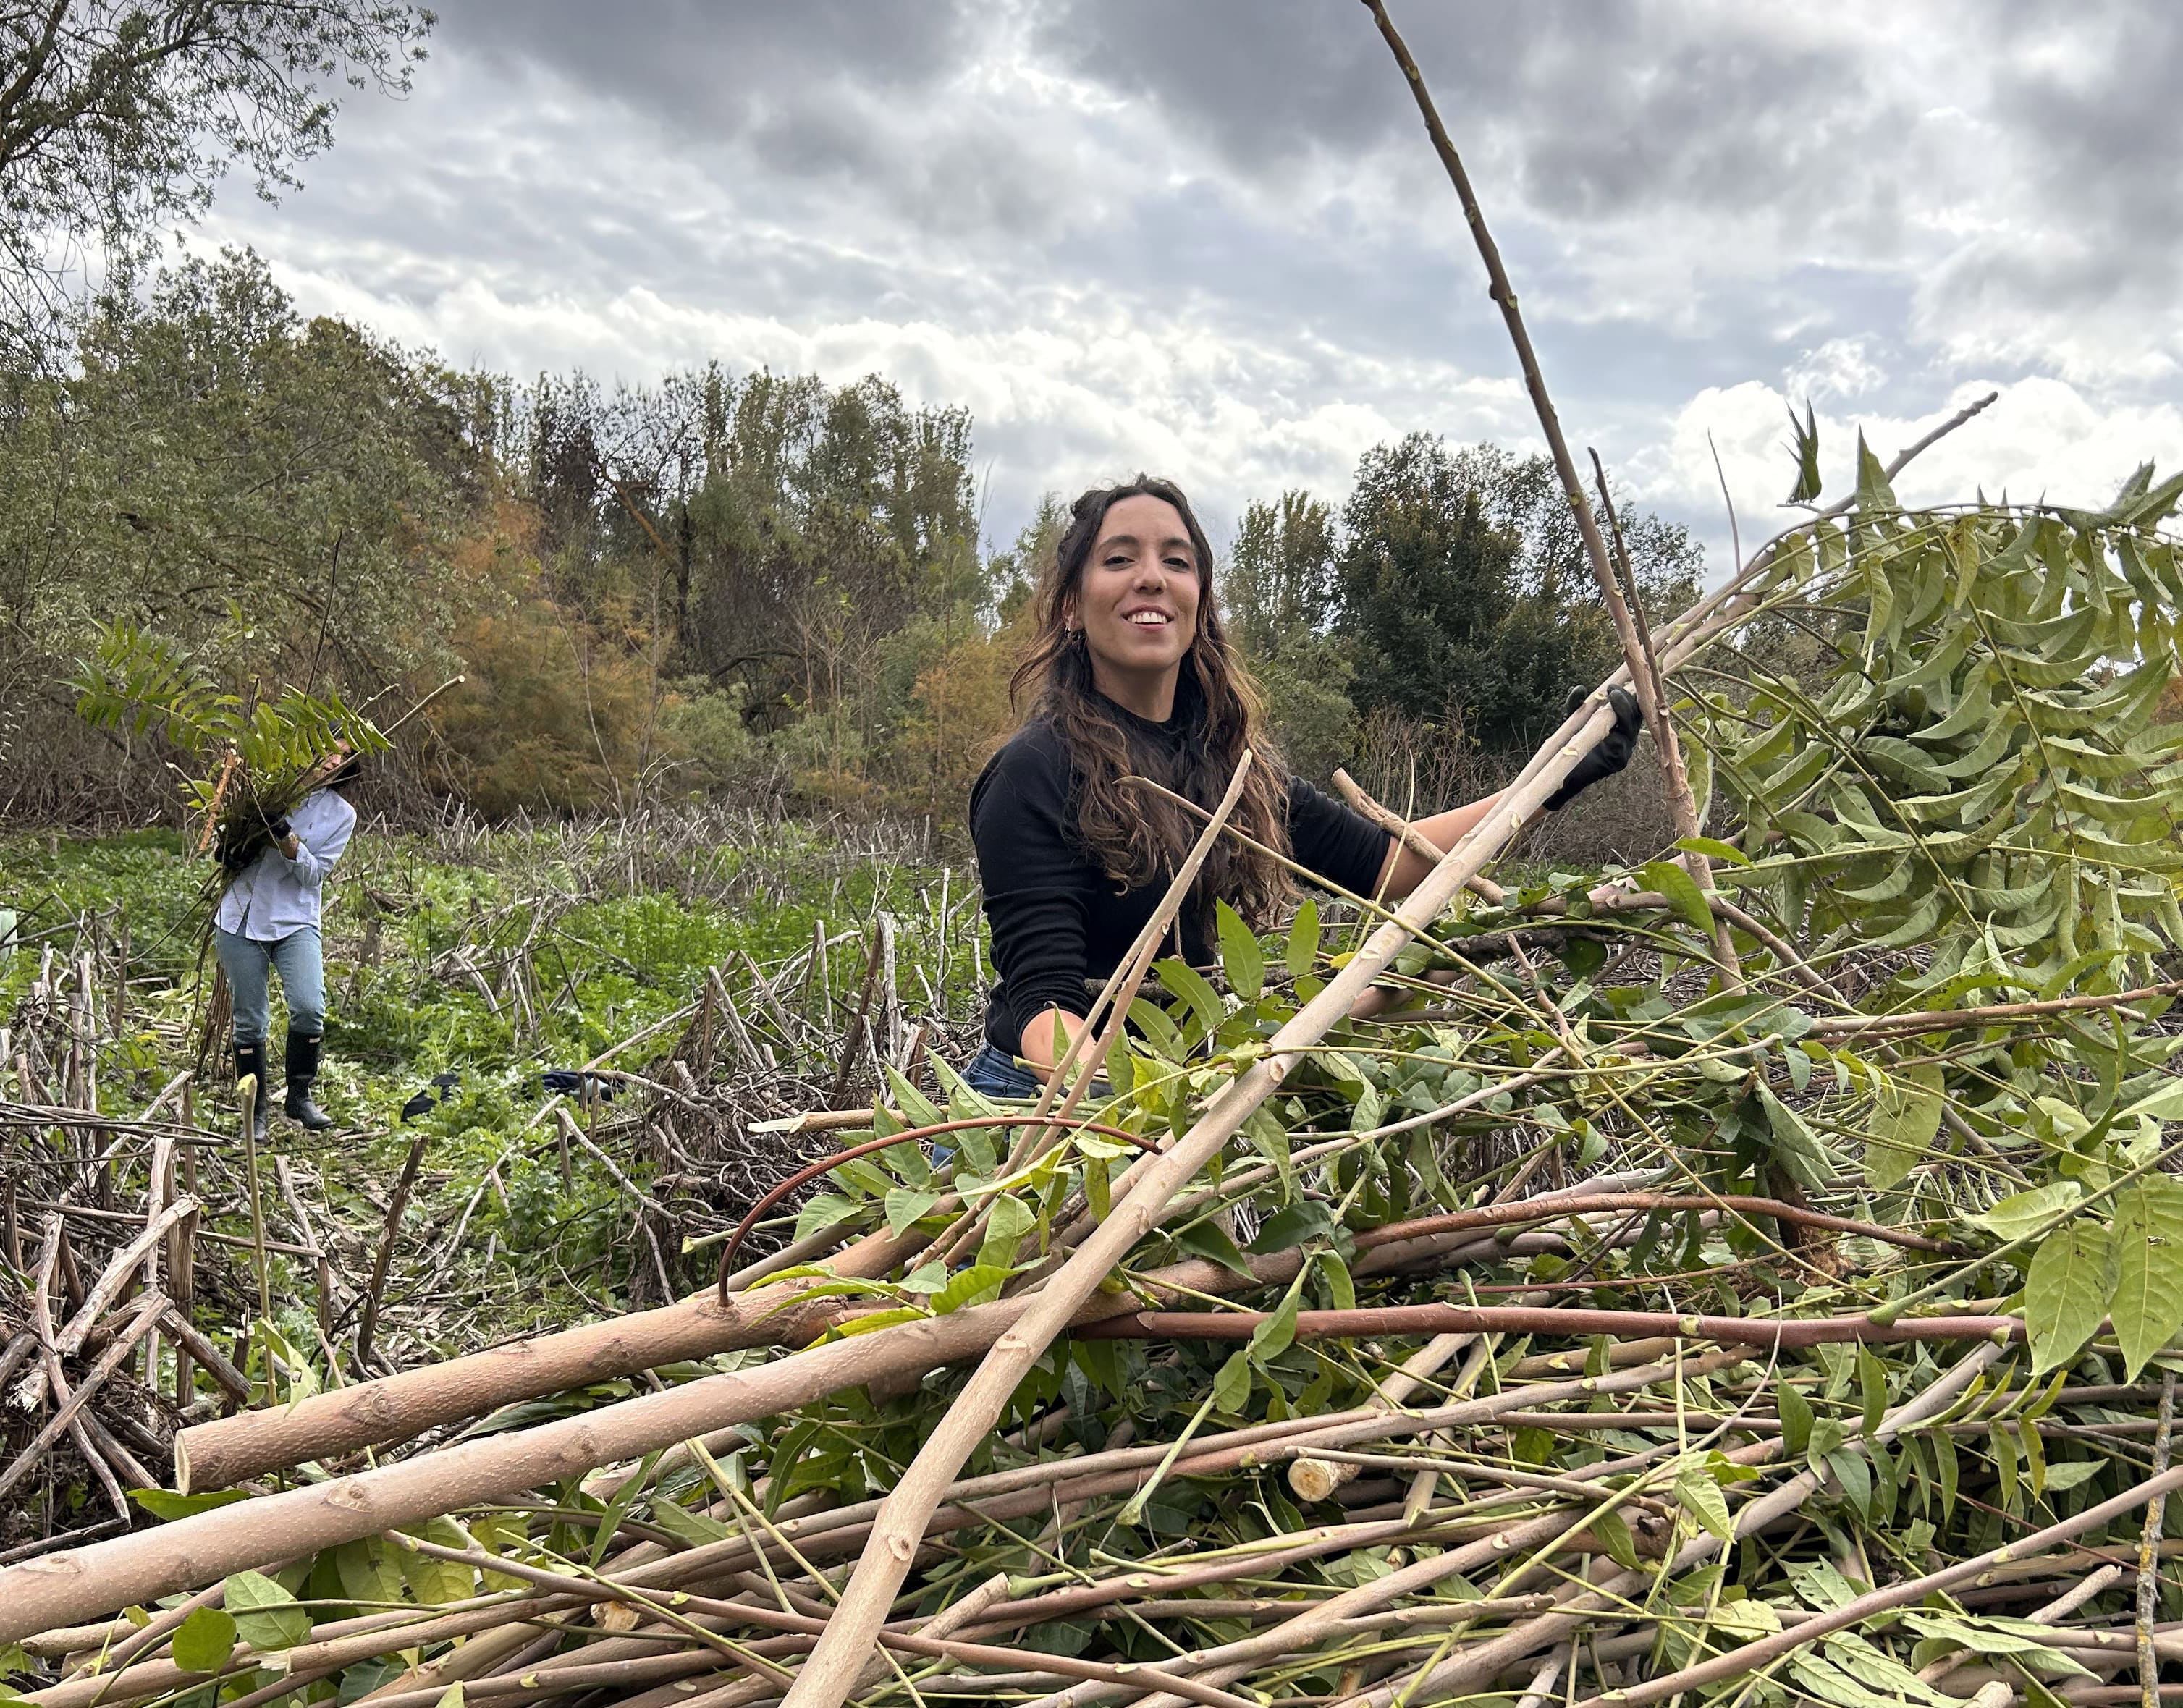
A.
pixel 1608 755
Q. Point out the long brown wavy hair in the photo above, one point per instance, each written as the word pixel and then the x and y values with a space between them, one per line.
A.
pixel 1136 836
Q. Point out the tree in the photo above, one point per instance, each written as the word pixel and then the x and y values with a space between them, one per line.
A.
pixel 264 488
pixel 278 495
pixel 1462 583
pixel 1280 591
pixel 116 118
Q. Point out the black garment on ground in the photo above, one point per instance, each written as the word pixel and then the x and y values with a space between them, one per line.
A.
pixel 1057 920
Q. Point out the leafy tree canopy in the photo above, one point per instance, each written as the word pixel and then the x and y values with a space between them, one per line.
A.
pixel 116 118
pixel 1460 581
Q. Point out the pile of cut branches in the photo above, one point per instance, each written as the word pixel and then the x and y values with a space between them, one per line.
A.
pixel 1759 1288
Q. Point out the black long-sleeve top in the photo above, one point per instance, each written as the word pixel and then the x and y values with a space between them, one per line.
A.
pixel 1057 920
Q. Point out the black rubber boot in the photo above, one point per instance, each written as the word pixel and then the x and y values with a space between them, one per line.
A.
pixel 302 1069
pixel 250 1059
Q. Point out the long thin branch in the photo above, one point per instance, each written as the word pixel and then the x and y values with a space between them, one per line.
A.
pixel 1371 1321
pixel 2148 1549
pixel 1638 653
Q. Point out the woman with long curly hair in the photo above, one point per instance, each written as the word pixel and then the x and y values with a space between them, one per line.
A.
pixel 1132 676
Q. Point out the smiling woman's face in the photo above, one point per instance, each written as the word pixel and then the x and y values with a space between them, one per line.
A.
pixel 1137 603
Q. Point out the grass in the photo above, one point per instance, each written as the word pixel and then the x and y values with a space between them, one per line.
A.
pixel 493 956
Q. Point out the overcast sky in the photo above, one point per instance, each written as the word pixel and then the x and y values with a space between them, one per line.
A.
pixel 1209 239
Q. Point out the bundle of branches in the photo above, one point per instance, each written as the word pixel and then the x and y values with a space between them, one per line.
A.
pixel 244 762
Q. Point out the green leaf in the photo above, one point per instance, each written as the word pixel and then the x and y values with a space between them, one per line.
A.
pixel 1796 1418
pixel 1007 1223
pixel 1302 952
pixel 1231 1388
pixel 1872 1389
pixel 1680 891
pixel 1241 958
pixel 1806 445
pixel 1190 984
pixel 926 1278
pixel 2066 1291
pixel 433 1582
pixel 204 1640
pixel 504 1533
pixel 2164 1103
pixel 822 1211
pixel 905 1205
pixel 1340 1283
pixel 1275 1336
pixel 971 1286
pixel 1855 1476
pixel 1714 849
pixel 1207 1239
pixel 266 1616
pixel 1906 1119
pixel 1293 1225
pixel 163 1504
pixel 2148 1238
pixel 1614 1534
pixel 1794 1146
pixel 680 1521
pixel 1699 1495
pixel 1873 492
pixel 367 1576
pixel 873 1321
pixel 2024 1213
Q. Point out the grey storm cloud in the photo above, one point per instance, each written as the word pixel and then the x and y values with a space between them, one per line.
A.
pixel 1210 233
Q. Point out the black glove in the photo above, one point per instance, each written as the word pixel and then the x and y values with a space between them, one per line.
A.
pixel 1609 755
pixel 277 829
pixel 238 852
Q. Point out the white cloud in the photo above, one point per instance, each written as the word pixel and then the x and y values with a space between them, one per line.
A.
pixel 2041 438
pixel 1840 368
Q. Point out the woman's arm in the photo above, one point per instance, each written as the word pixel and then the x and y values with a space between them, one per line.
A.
pixel 1405 868
pixel 313 860
pixel 1037 1043
pixel 1038 893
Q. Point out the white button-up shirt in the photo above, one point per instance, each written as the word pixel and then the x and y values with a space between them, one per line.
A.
pixel 276 896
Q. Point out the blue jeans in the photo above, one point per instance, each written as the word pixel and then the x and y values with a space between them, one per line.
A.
pixel 246 962
pixel 993 1074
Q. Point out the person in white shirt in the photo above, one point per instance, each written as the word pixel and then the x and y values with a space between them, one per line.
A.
pixel 268 922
